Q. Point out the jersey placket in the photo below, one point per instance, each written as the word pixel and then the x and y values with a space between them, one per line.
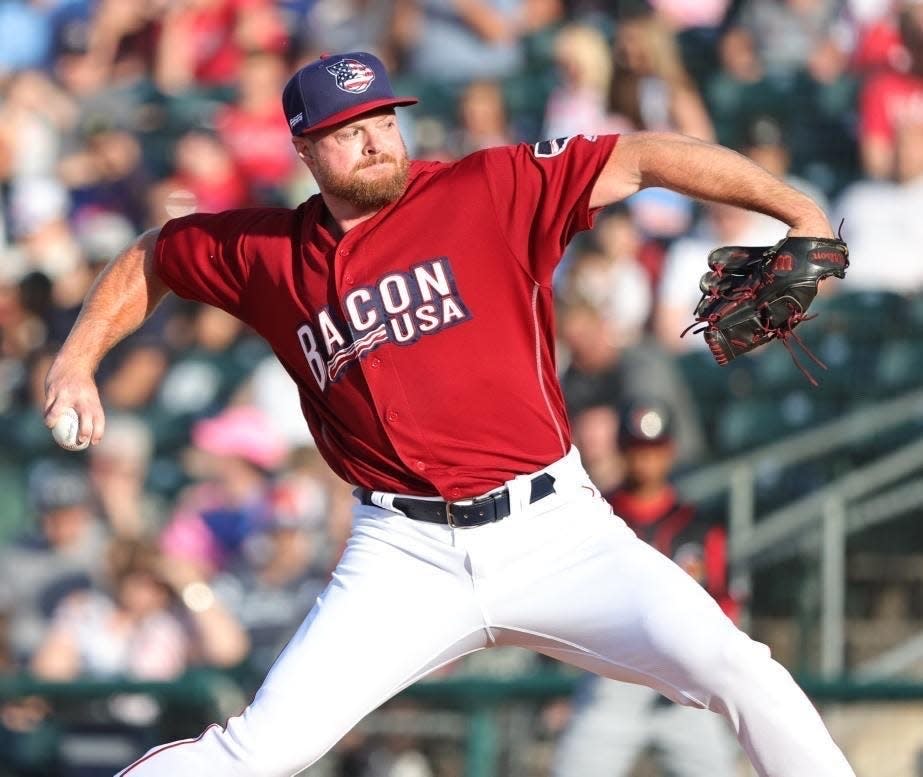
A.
pixel 381 376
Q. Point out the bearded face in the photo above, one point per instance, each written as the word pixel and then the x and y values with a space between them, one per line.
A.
pixel 372 183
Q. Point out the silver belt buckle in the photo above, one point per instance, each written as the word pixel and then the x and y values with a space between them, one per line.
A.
pixel 448 516
pixel 450 519
pixel 470 503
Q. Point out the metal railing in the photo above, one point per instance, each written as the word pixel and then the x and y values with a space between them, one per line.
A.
pixel 824 518
pixel 464 710
pixel 461 709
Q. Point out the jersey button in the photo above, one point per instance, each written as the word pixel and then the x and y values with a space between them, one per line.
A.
pixel 455 493
pixel 391 416
pixel 344 252
pixel 375 362
pixel 348 277
pixel 419 465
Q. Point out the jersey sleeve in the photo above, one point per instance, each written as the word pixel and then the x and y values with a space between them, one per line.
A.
pixel 204 257
pixel 541 195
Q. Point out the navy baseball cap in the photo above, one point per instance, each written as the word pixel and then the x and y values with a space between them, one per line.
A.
pixel 336 88
pixel 645 422
pixel 54 486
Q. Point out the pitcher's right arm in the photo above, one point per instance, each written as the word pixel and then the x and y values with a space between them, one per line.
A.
pixel 123 296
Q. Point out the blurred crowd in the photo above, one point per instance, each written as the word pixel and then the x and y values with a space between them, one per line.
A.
pixel 201 529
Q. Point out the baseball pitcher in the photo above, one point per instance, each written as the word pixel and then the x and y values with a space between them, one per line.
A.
pixel 411 303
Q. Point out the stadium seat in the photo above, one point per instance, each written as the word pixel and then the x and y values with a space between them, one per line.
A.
pixel 860 315
pixel 914 308
pixel 776 486
pixel 899 367
pixel 774 372
pixel 849 362
pixel 747 423
pixel 706 379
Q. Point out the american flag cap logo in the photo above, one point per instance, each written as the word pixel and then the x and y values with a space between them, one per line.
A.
pixel 351 75
pixel 336 88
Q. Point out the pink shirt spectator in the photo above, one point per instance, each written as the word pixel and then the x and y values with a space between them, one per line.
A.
pixel 691 13
pixel 572 112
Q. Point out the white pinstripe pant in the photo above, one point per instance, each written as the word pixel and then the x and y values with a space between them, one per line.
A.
pixel 561 576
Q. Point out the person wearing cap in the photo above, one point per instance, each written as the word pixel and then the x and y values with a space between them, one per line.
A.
pixel 59 555
pixel 613 723
pixel 410 301
pixel 767 145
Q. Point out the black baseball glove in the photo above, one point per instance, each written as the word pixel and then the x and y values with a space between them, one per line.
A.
pixel 752 295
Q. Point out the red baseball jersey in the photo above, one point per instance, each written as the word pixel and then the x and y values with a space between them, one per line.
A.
pixel 422 341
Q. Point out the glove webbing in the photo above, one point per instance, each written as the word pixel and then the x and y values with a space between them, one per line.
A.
pixel 783 332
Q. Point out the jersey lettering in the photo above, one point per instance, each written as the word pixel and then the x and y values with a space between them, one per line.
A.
pixel 315 363
pixel 426 315
pixel 402 328
pixel 399 308
pixel 333 340
pixel 364 317
pixel 432 280
pixel 451 310
pixel 394 293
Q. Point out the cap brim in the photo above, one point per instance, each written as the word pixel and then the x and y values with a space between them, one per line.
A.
pixel 358 110
pixel 642 442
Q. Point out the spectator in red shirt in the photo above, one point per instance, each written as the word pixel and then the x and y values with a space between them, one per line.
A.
pixel 614 722
pixel 254 129
pixel 649 504
pixel 205 174
pixel 892 100
pixel 202 42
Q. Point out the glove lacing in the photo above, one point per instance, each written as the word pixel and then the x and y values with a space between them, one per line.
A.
pixel 786 331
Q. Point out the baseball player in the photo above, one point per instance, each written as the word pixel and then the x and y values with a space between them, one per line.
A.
pixel 613 722
pixel 411 303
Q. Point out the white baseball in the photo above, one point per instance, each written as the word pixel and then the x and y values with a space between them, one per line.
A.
pixel 66 429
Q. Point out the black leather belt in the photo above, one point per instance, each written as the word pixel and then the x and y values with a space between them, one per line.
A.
pixel 475 512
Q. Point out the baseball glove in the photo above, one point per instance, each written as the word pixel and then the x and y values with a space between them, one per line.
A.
pixel 752 295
